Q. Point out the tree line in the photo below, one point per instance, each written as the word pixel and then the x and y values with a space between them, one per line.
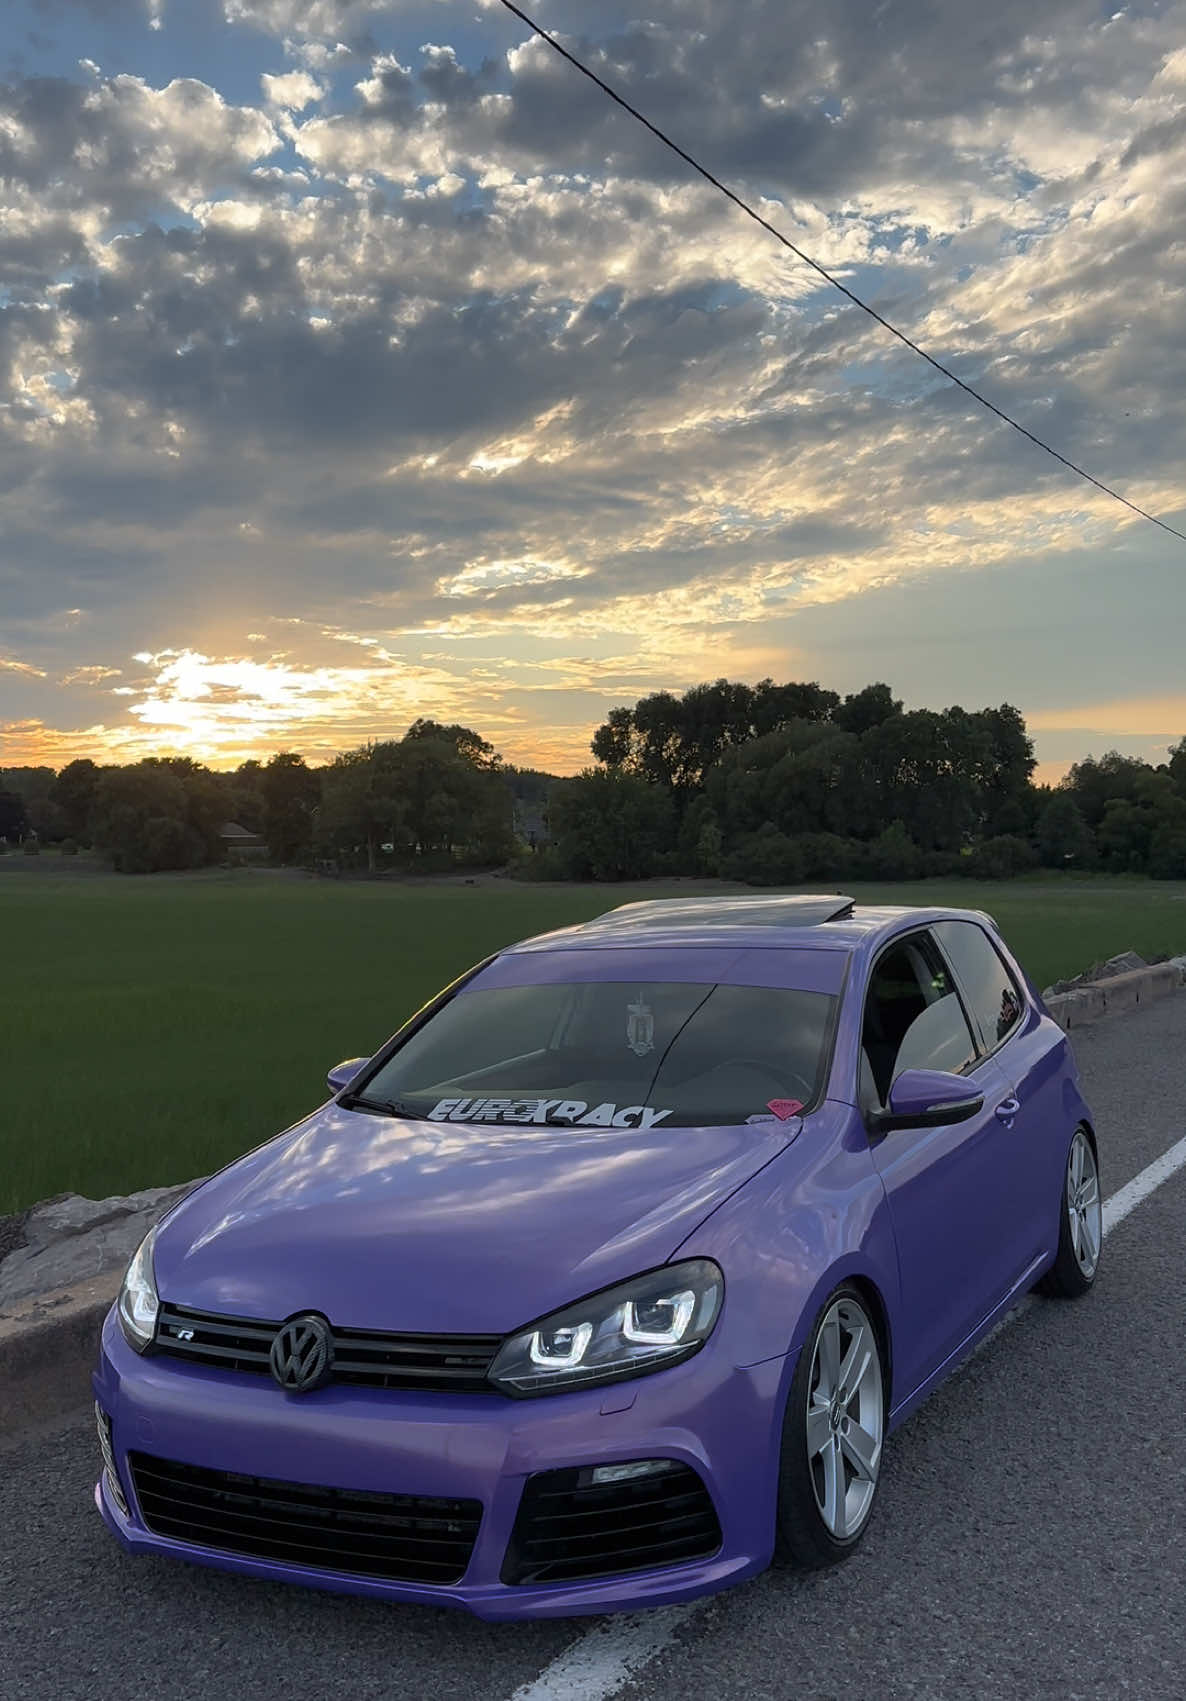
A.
pixel 780 784
pixel 768 784
pixel 438 797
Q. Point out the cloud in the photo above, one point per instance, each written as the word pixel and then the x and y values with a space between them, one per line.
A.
pixel 294 90
pixel 433 340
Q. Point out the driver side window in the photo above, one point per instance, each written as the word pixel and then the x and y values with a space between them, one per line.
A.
pixel 913 1020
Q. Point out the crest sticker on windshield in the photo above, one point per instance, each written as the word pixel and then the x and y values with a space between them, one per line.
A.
pixel 640 1027
pixel 784 1108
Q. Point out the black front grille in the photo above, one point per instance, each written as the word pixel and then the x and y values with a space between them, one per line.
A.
pixel 409 1538
pixel 569 1527
pixel 437 1363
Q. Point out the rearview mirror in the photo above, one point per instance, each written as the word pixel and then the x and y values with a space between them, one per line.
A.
pixel 342 1074
pixel 928 1098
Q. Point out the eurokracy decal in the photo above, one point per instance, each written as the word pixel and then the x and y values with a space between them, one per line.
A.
pixel 524 1112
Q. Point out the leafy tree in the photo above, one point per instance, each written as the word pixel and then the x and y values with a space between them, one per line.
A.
pixel 1177 766
pixel 34 786
pixel 13 820
pixel 893 855
pixel 776 706
pixel 1063 836
pixel 1002 858
pixel 291 793
pixel 863 710
pixel 74 793
pixel 243 798
pixel 1004 768
pixel 805 777
pixel 918 769
pixel 130 806
pixel 1123 837
pixel 767 857
pixel 428 797
pixel 360 804
pixel 1094 783
pixel 675 741
pixel 462 739
pixel 610 826
pixel 1167 852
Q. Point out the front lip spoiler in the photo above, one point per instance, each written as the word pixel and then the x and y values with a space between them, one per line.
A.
pixel 493 1602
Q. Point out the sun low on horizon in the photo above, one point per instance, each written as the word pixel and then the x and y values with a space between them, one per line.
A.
pixel 362 362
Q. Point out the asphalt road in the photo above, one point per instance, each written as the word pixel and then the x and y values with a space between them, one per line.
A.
pixel 1028 1539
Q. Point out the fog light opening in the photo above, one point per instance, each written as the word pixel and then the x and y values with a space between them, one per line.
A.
pixel 626 1473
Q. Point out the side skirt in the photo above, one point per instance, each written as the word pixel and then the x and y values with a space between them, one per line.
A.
pixel 905 1408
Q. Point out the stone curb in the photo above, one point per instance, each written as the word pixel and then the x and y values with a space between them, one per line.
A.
pixel 1119 992
pixel 48 1350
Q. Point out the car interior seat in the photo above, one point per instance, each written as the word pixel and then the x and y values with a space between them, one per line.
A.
pixel 936 1039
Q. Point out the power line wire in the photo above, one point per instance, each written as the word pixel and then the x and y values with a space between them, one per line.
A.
pixel 829 277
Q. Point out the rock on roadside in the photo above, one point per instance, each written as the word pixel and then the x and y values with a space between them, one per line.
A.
pixel 69 1239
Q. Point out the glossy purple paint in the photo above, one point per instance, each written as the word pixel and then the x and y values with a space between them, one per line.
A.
pixel 393 1225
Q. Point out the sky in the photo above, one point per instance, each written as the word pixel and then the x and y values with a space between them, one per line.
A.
pixel 361 362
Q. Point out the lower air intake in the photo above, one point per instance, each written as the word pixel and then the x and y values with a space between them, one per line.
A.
pixel 570 1528
pixel 408 1538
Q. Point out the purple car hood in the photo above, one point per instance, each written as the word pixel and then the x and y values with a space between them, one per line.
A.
pixel 428 1227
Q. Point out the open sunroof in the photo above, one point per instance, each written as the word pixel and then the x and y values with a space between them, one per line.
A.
pixel 809 910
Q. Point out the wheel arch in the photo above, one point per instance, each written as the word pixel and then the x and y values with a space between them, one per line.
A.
pixel 858 1277
pixel 867 1287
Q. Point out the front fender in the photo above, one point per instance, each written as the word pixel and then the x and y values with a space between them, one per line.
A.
pixel 815 1217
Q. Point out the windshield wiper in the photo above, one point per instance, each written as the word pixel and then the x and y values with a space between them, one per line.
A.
pixel 385 1107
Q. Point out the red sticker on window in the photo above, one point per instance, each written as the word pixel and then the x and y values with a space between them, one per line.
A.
pixel 783 1108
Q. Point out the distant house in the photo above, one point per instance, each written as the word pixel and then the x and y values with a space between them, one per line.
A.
pixel 237 841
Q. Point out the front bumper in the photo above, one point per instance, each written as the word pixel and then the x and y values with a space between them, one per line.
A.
pixel 723 1421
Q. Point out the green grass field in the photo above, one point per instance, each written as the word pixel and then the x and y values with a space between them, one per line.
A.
pixel 155 1028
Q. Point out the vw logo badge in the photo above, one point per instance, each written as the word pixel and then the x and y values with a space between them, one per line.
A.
pixel 302 1354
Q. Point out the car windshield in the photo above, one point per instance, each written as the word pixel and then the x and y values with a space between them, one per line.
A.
pixel 626 1054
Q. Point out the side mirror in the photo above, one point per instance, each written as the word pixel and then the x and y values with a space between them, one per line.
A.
pixel 927 1098
pixel 341 1075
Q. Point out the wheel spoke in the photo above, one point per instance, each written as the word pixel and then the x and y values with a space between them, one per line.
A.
pixel 1076 1164
pixel 863 1451
pixel 1088 1193
pixel 819 1430
pixel 835 1488
pixel 1076 1235
pixel 827 1354
pixel 856 1364
pixel 1090 1235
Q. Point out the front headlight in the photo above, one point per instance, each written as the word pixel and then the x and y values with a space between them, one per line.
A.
pixel 138 1302
pixel 642 1325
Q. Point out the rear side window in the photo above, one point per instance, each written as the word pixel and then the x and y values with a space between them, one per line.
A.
pixel 987 984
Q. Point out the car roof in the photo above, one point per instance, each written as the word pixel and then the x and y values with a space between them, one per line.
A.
pixel 803 921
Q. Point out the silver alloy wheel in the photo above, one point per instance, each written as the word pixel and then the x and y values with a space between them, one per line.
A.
pixel 845 1419
pixel 1084 1212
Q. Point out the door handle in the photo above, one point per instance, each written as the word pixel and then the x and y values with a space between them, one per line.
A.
pixel 1007 1110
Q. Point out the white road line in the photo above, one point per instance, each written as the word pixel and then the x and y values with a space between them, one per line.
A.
pixel 1128 1197
pixel 596 1666
pixel 608 1655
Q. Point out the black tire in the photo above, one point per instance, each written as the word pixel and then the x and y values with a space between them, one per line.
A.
pixel 1068 1278
pixel 803 1538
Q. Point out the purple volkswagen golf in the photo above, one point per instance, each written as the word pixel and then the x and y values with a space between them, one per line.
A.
pixel 603 1282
